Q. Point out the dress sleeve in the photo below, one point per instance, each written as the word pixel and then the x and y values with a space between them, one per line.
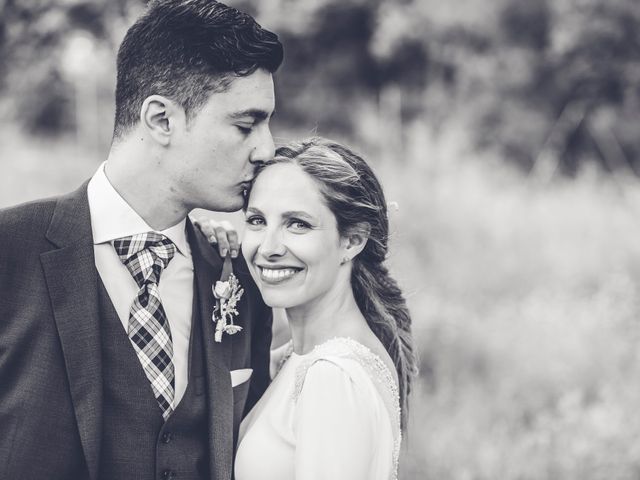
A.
pixel 335 424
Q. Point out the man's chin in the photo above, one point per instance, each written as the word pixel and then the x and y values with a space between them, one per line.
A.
pixel 229 206
pixel 232 208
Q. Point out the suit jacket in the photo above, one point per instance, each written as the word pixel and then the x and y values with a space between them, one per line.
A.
pixel 50 365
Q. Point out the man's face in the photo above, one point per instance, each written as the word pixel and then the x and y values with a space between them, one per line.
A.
pixel 216 156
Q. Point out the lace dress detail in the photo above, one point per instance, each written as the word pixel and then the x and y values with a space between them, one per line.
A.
pixel 373 365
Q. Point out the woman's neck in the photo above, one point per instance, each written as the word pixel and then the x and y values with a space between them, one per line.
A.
pixel 334 314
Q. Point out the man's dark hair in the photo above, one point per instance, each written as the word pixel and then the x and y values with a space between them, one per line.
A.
pixel 186 50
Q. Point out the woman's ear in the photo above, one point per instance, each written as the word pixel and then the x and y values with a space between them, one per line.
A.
pixel 160 118
pixel 354 241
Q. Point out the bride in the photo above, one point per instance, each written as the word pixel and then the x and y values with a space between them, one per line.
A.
pixel 315 242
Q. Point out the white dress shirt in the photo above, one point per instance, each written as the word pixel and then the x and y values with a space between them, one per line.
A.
pixel 112 218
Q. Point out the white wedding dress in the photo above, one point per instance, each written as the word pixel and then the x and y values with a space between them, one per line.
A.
pixel 331 414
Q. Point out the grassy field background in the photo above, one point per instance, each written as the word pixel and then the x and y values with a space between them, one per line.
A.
pixel 524 295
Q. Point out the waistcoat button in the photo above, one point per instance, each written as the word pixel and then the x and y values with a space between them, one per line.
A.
pixel 168 475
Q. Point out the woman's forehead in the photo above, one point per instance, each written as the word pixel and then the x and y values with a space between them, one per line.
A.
pixel 286 186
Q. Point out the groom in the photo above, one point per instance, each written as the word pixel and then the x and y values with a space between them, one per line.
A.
pixel 109 363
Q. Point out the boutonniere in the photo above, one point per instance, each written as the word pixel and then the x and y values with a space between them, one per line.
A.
pixel 227 292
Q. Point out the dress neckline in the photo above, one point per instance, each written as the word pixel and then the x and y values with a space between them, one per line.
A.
pixel 353 344
pixel 326 344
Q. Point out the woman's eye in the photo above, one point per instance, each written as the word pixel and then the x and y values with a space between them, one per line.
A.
pixel 254 220
pixel 299 225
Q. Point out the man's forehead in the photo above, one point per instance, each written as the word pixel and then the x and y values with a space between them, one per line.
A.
pixel 259 81
pixel 252 95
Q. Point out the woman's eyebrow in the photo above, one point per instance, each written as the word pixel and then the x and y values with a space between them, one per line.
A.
pixel 254 210
pixel 297 213
pixel 287 214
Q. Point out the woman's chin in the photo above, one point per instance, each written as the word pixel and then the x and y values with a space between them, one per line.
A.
pixel 277 299
pixel 277 302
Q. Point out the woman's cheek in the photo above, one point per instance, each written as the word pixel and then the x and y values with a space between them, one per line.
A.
pixel 250 244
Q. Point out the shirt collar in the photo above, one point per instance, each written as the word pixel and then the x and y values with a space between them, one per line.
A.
pixel 112 217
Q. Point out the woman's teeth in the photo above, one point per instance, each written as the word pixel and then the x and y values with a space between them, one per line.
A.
pixel 277 274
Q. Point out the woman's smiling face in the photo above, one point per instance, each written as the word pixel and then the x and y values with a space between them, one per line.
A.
pixel 291 242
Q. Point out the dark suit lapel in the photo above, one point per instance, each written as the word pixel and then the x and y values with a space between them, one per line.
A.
pixel 207 267
pixel 72 280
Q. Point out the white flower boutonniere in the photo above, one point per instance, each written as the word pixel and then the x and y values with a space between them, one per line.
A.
pixel 227 292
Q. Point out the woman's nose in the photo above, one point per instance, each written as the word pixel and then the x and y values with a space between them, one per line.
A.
pixel 272 245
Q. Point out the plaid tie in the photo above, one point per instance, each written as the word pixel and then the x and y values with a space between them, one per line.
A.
pixel 145 255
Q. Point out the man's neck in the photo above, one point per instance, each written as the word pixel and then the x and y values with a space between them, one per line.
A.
pixel 140 182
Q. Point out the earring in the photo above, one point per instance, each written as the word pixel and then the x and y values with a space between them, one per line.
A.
pixel 345 259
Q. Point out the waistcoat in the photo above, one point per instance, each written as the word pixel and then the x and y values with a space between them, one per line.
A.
pixel 136 443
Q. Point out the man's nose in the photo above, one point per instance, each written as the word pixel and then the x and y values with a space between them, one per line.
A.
pixel 265 148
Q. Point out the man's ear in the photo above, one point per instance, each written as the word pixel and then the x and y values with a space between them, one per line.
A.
pixel 160 117
pixel 355 241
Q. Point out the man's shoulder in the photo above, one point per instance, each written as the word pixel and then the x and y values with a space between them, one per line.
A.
pixel 35 217
pixel 28 217
pixel 23 231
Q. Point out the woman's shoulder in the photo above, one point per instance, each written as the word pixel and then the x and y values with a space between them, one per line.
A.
pixel 350 359
pixel 346 375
